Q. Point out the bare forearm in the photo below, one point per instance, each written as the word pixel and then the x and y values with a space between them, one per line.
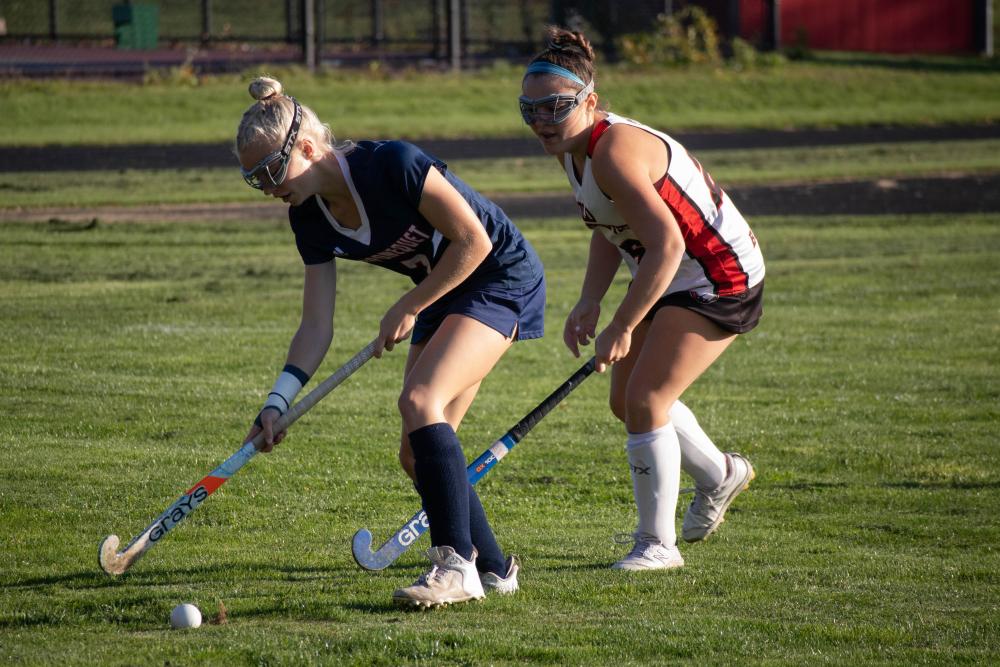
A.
pixel 315 333
pixel 651 281
pixel 459 260
pixel 602 265
pixel 308 347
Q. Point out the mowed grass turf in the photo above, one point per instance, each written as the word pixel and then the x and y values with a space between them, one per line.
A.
pixel 538 173
pixel 832 92
pixel 135 356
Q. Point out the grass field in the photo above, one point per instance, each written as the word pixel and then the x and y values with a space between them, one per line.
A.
pixel 365 104
pixel 513 175
pixel 136 354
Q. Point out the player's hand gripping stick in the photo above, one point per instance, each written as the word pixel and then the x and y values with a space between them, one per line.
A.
pixel 116 562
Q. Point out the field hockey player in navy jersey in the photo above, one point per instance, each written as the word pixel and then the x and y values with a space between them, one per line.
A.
pixel 697 282
pixel 478 287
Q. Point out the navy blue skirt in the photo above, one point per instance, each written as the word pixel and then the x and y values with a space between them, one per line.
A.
pixel 517 312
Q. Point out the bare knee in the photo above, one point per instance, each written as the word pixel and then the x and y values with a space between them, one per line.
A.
pixel 618 407
pixel 416 407
pixel 645 410
pixel 407 461
pixel 639 415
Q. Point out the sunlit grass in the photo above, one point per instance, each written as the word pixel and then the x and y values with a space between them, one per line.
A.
pixel 375 104
pixel 136 355
pixel 512 175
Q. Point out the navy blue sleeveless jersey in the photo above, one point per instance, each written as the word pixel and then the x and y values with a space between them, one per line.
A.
pixel 386 179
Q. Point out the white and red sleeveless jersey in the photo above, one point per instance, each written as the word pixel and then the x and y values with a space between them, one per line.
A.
pixel 722 257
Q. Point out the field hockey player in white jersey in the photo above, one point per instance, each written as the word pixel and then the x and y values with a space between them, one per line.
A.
pixel 478 287
pixel 697 283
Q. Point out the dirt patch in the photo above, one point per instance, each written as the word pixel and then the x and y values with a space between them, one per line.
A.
pixel 942 194
pixel 266 212
pixel 194 156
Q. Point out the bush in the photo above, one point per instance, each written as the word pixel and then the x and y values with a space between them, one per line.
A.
pixel 687 37
pixel 179 75
pixel 745 56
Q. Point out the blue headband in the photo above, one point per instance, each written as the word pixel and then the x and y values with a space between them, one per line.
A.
pixel 544 67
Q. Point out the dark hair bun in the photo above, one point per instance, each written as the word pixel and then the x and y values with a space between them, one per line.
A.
pixel 572 43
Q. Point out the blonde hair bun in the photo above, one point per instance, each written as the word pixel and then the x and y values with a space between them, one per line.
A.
pixel 264 87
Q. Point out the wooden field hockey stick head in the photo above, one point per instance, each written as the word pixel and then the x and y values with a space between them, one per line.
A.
pixel 114 562
pixel 109 559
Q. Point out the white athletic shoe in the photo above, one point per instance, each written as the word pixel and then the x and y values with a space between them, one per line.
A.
pixel 650 556
pixel 451 579
pixel 503 585
pixel 708 509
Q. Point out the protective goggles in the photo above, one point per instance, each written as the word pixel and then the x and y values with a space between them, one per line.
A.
pixel 274 167
pixel 552 109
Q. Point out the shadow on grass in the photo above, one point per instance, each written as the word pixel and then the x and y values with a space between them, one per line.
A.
pixel 60 225
pixel 903 484
pixel 391 612
pixel 77 580
pixel 40 620
pixel 386 607
pixel 95 579
pixel 579 567
pixel 957 485
pixel 801 486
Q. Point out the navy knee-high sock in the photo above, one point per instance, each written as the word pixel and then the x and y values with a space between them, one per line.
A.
pixel 443 486
pixel 490 554
pixel 491 558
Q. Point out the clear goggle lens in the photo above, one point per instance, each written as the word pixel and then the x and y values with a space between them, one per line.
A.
pixel 270 171
pixel 552 109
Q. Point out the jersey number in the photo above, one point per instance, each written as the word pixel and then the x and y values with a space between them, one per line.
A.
pixel 418 262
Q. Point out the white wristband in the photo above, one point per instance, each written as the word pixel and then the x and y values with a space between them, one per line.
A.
pixel 285 389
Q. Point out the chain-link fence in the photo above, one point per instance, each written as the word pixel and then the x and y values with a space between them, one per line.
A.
pixel 425 28
pixel 439 30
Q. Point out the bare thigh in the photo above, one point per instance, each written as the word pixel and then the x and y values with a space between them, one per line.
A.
pixel 667 356
pixel 443 375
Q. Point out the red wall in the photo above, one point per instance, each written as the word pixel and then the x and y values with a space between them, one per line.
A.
pixel 753 14
pixel 889 26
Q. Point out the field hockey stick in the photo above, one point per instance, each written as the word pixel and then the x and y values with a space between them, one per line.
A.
pixel 115 562
pixel 418 524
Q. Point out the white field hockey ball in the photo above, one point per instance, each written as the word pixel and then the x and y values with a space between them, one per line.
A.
pixel 185 616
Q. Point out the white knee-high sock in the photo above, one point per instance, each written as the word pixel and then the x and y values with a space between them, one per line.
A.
pixel 700 458
pixel 654 458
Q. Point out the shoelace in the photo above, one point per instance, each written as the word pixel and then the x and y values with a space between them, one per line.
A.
pixel 638 546
pixel 639 549
pixel 428 577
